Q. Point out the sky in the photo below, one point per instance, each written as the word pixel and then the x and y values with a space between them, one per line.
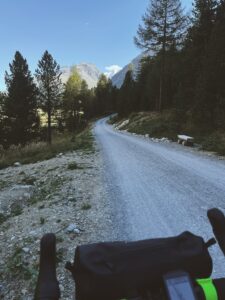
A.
pixel 73 31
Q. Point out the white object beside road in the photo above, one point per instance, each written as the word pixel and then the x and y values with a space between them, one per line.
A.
pixel 185 140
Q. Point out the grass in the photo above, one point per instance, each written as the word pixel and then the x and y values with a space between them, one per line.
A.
pixel 3 218
pixel 18 267
pixel 155 124
pixel 86 206
pixel 29 180
pixel 41 151
pixel 42 220
pixel 74 166
pixel 3 184
pixel 16 210
pixel 169 124
pixel 50 188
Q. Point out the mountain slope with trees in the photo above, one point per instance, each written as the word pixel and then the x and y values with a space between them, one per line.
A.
pixel 185 76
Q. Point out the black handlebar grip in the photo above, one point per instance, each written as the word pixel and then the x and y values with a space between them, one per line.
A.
pixel 220 287
pixel 217 220
pixel 47 286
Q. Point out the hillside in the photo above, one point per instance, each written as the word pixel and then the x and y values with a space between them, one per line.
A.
pixel 119 77
pixel 88 72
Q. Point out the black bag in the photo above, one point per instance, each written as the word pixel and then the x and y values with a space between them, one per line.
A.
pixel 110 271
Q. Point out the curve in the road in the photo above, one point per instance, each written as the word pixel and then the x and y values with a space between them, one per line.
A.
pixel 159 189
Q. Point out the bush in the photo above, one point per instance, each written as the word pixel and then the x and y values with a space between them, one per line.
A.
pixel 86 206
pixel 214 142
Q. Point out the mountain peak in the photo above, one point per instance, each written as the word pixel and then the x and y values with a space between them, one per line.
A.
pixel 118 78
pixel 87 71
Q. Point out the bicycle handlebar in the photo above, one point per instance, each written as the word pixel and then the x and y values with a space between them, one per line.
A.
pixel 47 286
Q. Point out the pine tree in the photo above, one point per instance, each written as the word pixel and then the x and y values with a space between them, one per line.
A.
pixel 127 94
pixel 163 26
pixel 2 119
pixel 50 87
pixel 75 97
pixel 102 95
pixel 210 92
pixel 20 107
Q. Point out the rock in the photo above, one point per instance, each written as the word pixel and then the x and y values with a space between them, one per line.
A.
pixel 26 196
pixel 17 164
pixel 33 232
pixel 72 199
pixel 24 291
pixel 26 250
pixel 165 140
pixel 72 228
pixel 60 155
pixel 22 188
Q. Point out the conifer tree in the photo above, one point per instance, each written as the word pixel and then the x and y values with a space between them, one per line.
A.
pixel 20 106
pixel 163 26
pixel 74 97
pixel 210 91
pixel 102 94
pixel 50 87
pixel 127 94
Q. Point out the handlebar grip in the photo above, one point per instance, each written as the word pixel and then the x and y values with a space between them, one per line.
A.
pixel 47 286
pixel 220 287
pixel 217 220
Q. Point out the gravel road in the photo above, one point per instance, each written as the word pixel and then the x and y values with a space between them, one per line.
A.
pixel 158 189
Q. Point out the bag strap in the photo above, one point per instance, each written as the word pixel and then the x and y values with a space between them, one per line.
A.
pixel 210 243
pixel 209 288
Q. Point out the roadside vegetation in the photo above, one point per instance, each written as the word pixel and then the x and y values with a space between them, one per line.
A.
pixel 39 151
pixel 179 87
pixel 168 125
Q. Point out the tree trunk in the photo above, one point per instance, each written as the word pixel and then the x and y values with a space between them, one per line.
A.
pixel 49 134
pixel 162 81
pixel 163 59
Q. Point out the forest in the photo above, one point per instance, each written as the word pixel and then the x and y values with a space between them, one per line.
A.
pixel 183 72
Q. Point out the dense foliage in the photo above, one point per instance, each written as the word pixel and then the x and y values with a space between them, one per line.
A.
pixel 194 70
pixel 50 87
pixel 19 108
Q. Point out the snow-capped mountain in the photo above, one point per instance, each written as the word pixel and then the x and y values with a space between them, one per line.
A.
pixel 88 72
pixel 119 77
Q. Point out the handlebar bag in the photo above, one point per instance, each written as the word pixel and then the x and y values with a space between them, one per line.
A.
pixel 116 270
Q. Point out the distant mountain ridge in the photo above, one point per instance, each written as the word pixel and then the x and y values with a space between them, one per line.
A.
pixel 118 78
pixel 88 72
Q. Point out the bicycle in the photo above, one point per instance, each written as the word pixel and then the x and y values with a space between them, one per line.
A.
pixel 175 276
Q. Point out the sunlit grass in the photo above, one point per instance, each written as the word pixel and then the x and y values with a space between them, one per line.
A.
pixel 34 152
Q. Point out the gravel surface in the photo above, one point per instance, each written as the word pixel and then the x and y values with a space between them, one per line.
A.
pixel 130 188
pixel 63 195
pixel 159 189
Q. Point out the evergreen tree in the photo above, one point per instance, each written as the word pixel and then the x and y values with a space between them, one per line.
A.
pixel 193 54
pixel 75 100
pixel 50 87
pixel 127 94
pixel 20 106
pixel 102 95
pixel 163 26
pixel 210 92
pixel 148 79
pixel 2 119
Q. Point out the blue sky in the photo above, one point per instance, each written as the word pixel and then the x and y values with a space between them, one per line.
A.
pixel 73 31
